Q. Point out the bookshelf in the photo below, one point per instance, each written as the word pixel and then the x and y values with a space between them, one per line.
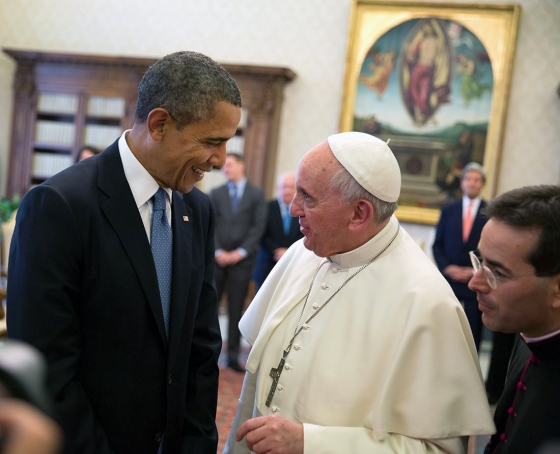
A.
pixel 65 101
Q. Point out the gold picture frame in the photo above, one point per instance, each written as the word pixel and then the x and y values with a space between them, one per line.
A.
pixel 431 64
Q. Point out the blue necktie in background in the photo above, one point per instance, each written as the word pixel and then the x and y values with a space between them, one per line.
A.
pixel 287 218
pixel 234 198
pixel 162 250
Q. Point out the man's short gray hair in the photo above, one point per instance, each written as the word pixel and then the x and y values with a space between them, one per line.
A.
pixel 350 190
pixel 474 167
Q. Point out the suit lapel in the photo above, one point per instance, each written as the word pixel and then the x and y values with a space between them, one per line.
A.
pixel 182 221
pixel 122 213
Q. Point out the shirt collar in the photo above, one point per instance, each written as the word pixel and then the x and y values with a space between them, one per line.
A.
pixel 240 185
pixel 142 184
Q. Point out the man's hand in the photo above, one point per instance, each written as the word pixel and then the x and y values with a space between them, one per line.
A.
pixel 272 434
pixel 459 273
pixel 226 258
pixel 278 253
pixel 222 259
pixel 235 257
pixel 26 430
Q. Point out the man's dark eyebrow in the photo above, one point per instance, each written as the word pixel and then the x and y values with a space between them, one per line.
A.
pixel 497 264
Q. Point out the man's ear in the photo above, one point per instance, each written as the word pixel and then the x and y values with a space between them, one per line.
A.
pixel 556 291
pixel 156 122
pixel 362 214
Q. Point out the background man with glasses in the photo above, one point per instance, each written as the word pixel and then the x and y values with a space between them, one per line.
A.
pixel 517 281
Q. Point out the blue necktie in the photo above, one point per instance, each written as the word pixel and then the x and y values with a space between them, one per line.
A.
pixel 162 250
pixel 234 198
pixel 287 218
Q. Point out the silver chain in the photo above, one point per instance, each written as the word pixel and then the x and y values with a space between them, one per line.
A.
pixel 300 328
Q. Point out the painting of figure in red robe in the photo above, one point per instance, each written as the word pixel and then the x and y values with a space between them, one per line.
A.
pixel 427 85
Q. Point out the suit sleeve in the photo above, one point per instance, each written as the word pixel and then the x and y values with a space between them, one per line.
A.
pixel 215 208
pixel 43 304
pixel 200 433
pixel 269 238
pixel 257 225
pixel 438 248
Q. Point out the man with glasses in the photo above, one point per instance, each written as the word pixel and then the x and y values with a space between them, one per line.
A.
pixel 517 281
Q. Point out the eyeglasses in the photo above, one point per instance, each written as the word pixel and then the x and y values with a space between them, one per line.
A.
pixel 491 278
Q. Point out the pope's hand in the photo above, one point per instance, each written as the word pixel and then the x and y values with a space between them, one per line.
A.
pixel 272 434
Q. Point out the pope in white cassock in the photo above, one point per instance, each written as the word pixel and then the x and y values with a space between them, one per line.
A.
pixel 358 343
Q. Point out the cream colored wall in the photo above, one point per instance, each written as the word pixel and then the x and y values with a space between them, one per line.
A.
pixel 307 36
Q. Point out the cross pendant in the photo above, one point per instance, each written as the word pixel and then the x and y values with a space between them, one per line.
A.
pixel 275 374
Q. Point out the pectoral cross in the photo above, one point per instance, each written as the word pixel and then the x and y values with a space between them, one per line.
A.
pixel 275 374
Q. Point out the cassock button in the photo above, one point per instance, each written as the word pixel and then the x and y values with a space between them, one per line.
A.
pixel 158 437
pixel 297 347
pixel 315 306
pixel 335 270
pixel 280 388
pixel 305 326
pixel 169 379
pixel 288 367
pixel 275 409
pixel 324 286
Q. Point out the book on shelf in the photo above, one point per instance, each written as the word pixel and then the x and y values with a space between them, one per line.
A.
pixel 55 132
pixel 98 106
pixel 101 136
pixel 46 165
pixel 57 103
pixel 235 145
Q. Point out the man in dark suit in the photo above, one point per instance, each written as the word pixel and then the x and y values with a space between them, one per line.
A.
pixel 457 233
pixel 111 272
pixel 282 230
pixel 240 220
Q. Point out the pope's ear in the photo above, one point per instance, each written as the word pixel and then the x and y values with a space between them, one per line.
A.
pixel 362 214
pixel 156 122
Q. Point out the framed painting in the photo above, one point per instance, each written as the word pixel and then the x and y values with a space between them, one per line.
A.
pixel 433 78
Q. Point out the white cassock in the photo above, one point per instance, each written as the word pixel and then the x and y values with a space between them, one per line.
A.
pixel 387 366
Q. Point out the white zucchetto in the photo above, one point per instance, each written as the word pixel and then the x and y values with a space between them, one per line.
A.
pixel 370 161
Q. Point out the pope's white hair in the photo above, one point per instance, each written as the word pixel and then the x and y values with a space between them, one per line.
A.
pixel 350 190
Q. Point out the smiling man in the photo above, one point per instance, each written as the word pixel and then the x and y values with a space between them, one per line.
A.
pixel 517 281
pixel 111 272
pixel 359 344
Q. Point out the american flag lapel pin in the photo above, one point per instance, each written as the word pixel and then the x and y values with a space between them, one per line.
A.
pixel 186 218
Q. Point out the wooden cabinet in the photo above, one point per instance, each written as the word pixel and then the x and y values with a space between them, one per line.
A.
pixel 65 101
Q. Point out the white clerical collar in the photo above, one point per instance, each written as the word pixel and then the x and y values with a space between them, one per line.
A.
pixel 365 252
pixel 530 340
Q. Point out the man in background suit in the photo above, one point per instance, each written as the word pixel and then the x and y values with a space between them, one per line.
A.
pixel 240 220
pixel 282 229
pixel 111 272
pixel 457 233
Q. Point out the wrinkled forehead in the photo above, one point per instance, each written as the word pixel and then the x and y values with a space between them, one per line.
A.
pixel 319 161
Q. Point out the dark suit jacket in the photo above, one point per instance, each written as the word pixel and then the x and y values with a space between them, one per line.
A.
pixel 448 247
pixel 274 238
pixel 244 228
pixel 83 289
